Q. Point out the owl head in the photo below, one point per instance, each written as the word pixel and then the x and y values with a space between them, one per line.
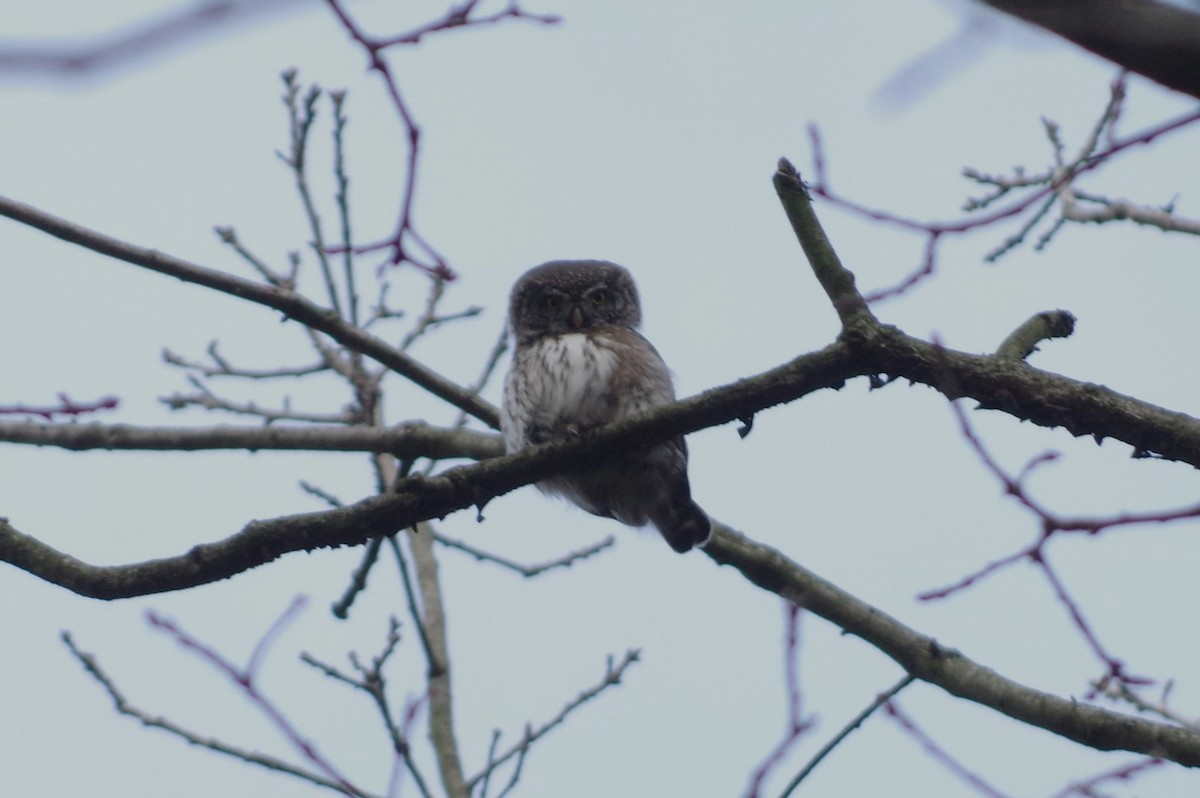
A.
pixel 569 296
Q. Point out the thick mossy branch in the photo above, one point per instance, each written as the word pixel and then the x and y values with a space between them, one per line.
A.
pixel 409 441
pixel 1024 392
pixel 1005 384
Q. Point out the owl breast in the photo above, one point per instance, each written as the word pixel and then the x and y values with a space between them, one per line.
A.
pixel 560 385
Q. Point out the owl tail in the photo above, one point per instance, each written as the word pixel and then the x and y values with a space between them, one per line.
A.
pixel 683 524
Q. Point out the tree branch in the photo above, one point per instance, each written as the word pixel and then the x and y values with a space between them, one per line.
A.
pixel 527 571
pixel 441 704
pixel 837 281
pixel 1023 341
pixel 927 660
pixel 123 707
pixel 411 440
pixel 1154 39
pixel 290 304
pixel 1005 384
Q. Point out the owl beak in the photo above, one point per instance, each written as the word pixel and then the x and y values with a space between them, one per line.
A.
pixel 577 318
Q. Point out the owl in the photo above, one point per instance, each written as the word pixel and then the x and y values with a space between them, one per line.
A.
pixel 580 363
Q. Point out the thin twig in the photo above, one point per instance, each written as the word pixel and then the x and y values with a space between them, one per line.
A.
pixel 289 303
pixel 613 672
pixel 796 724
pixel 371 681
pixel 154 721
pixel 220 367
pixel 837 739
pixel 301 115
pixel 528 571
pixel 342 198
pixel 66 407
pixel 414 608
pixel 1087 787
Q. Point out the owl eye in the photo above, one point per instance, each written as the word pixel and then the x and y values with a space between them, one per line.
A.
pixel 552 302
pixel 599 297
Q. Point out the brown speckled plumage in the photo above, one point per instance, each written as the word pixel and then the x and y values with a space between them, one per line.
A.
pixel 580 363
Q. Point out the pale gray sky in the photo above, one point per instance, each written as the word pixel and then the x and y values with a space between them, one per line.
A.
pixel 645 134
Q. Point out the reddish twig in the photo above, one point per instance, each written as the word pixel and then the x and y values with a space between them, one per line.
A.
pixel 78 56
pixel 1043 192
pixel 796 725
pixel 1088 787
pixel 1119 691
pixel 66 407
pixel 855 722
pixel 371 680
pixel 527 571
pixel 939 754
pixel 1051 524
pixel 457 16
pixel 244 678
pixel 1116 668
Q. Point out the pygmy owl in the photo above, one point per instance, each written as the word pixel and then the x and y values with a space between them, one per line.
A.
pixel 580 363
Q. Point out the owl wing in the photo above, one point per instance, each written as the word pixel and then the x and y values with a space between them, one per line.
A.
pixel 641 379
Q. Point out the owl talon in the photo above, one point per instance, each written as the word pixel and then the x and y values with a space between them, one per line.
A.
pixel 537 435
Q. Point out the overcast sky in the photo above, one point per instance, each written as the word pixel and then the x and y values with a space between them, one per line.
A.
pixel 644 133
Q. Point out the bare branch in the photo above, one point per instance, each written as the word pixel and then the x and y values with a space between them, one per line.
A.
pixel 527 571
pixel 855 722
pixel 1087 787
pixel 245 679
pixel 796 724
pixel 613 672
pixel 66 407
pixel 409 440
pixel 1110 210
pixel 1121 691
pixel 221 367
pixel 358 579
pixel 837 281
pixel 1041 192
pixel 930 661
pixel 342 199
pixel 301 115
pixel 287 282
pixel 1012 386
pixel 372 682
pixel 208 400
pixel 1049 524
pixel 292 305
pixel 72 58
pixel 122 705
pixel 419 252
